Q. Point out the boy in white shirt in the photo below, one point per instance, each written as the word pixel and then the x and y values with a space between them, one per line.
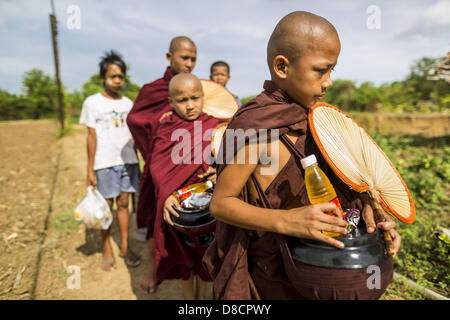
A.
pixel 112 162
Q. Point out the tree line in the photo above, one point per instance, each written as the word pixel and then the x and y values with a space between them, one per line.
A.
pixel 39 100
pixel 415 93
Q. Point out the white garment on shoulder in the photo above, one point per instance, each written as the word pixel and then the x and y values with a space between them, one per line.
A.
pixel 109 119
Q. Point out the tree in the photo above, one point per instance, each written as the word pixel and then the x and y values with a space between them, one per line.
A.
pixel 41 90
pixel 367 97
pixel 342 94
pixel 14 107
pixel 423 90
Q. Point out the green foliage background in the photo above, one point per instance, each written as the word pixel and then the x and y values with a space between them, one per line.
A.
pixel 39 99
pixel 424 164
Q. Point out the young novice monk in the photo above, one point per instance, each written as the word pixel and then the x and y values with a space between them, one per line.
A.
pixel 260 207
pixel 220 73
pixel 171 170
pixel 150 104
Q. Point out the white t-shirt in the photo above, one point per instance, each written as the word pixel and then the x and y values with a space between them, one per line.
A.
pixel 108 118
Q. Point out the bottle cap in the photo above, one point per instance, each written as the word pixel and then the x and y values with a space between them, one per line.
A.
pixel 309 160
pixel 209 183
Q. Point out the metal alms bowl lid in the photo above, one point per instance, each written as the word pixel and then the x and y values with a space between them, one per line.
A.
pixel 360 251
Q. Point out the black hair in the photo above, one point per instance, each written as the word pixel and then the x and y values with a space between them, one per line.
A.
pixel 219 64
pixel 111 57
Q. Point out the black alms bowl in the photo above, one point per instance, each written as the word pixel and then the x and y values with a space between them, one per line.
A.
pixel 197 227
pixel 192 217
pixel 360 251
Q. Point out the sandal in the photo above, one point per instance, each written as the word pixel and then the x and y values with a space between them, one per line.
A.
pixel 108 265
pixel 131 259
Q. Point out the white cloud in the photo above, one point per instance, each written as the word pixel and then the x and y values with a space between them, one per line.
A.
pixel 438 15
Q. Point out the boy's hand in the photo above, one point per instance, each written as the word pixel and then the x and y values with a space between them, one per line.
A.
pixel 165 115
pixel 210 173
pixel 310 221
pixel 388 226
pixel 168 209
pixel 91 179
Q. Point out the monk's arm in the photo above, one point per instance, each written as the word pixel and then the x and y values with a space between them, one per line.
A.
pixel 304 222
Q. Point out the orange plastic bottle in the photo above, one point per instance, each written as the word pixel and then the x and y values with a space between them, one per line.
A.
pixel 186 192
pixel 318 187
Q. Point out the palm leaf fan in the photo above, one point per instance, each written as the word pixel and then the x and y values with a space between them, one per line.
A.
pixel 357 160
pixel 218 102
pixel 216 138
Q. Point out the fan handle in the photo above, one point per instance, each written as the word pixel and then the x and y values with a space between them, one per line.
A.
pixel 379 217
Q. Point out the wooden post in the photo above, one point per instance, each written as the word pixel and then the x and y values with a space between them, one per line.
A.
pixel 53 26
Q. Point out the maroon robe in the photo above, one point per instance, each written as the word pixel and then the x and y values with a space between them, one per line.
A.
pixel 173 258
pixel 142 120
pixel 245 264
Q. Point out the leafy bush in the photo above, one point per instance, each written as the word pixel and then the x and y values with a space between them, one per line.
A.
pixel 40 98
pixel 425 167
pixel 414 94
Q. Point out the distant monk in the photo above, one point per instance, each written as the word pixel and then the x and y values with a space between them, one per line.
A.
pixel 150 104
pixel 174 259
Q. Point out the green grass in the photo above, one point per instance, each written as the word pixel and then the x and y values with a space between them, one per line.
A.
pixel 398 290
pixel 65 221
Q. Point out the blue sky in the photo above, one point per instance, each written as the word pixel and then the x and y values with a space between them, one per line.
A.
pixel 234 31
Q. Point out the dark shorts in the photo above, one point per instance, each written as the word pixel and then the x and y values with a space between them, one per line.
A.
pixel 112 181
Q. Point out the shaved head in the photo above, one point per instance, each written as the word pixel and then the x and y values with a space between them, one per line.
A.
pixel 298 33
pixel 181 81
pixel 186 96
pixel 302 51
pixel 179 42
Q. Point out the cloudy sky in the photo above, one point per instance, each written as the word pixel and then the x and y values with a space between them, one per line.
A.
pixel 380 39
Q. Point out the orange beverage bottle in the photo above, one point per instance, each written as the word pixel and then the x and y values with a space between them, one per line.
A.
pixel 319 188
pixel 186 192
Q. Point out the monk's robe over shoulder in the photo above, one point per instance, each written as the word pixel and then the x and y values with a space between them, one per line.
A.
pixel 151 102
pixel 245 264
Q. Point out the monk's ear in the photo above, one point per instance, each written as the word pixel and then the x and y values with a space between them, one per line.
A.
pixel 169 56
pixel 280 66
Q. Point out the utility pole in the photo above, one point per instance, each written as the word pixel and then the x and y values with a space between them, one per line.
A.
pixel 54 31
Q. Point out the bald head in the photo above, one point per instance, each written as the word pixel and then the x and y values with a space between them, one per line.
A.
pixel 186 96
pixel 182 81
pixel 182 55
pixel 298 33
pixel 178 42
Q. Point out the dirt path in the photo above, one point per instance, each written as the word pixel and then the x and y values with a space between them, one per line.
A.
pixel 42 180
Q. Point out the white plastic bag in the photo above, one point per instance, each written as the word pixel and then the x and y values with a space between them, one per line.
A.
pixel 94 211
